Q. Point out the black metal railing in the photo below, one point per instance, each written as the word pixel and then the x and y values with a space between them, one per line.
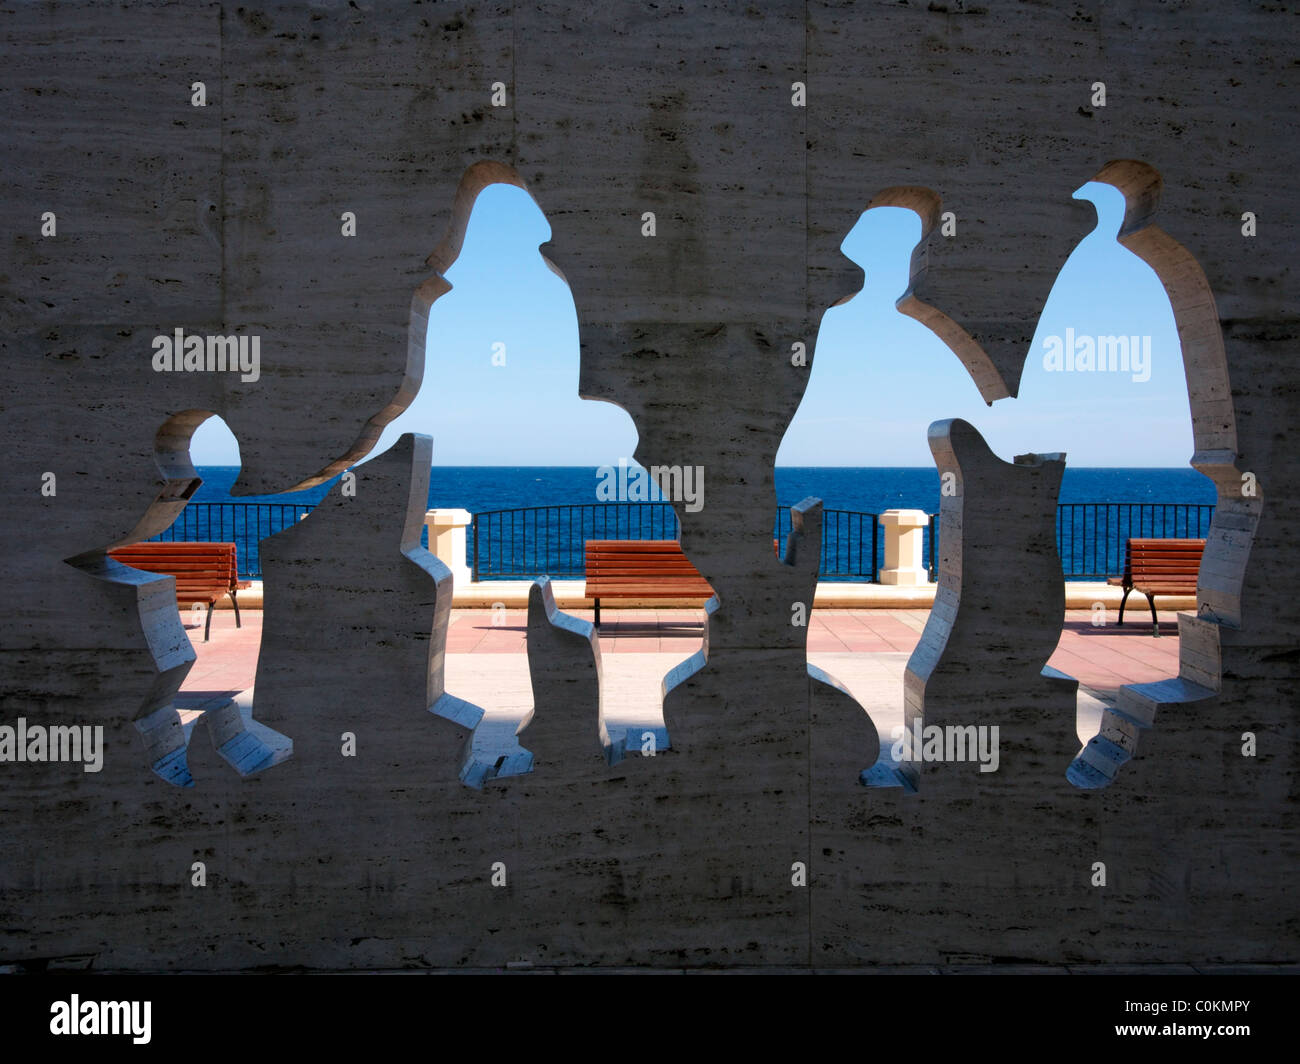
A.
pixel 240 523
pixel 523 543
pixel 852 546
pixel 1090 536
pixel 550 540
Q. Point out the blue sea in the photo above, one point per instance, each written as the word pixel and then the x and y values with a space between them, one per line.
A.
pixel 479 488
pixel 1100 509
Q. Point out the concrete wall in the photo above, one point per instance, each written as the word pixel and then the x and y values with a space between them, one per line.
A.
pixel 226 219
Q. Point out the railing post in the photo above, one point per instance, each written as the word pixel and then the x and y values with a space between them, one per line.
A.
pixel 934 546
pixel 875 548
pixel 447 540
pixel 903 537
pixel 474 577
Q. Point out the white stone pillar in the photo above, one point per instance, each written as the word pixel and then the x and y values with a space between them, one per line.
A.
pixel 447 541
pixel 904 548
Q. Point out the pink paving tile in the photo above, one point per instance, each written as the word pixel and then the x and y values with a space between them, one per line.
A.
pixel 827 638
pixel 1124 658
pixel 900 638
pixel 868 646
pixel 891 629
pixel 1127 648
pixel 628 623
pixel 200 671
pixel 684 647
pixel 1166 654
pixel 1123 654
pixel 1103 651
pixel 633 646
pixel 465 638
pixel 852 620
pixel 1101 658
pixel 500 647
pixel 1086 672
pixel 1140 674
pixel 887 624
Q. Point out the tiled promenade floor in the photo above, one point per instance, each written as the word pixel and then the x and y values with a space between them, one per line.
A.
pixel 866 650
pixel 1101 658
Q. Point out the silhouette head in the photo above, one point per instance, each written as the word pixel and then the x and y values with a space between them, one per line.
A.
pixel 1109 204
pixel 882 243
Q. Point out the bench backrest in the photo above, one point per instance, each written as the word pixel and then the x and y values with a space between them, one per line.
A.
pixel 637 557
pixel 1163 559
pixel 196 566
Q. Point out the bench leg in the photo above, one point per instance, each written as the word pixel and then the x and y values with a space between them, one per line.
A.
pixel 207 628
pixel 234 601
pixel 1155 624
pixel 1127 592
pixel 597 602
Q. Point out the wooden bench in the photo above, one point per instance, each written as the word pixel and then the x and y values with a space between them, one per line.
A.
pixel 641 568
pixel 204 572
pixel 1159 567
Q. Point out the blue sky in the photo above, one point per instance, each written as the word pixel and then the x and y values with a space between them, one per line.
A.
pixel 879 378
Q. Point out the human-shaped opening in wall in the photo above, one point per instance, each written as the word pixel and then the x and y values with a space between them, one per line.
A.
pixel 1103 382
pixel 879 376
pixel 523 472
pixel 1105 379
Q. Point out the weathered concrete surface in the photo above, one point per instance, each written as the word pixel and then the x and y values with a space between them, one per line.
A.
pixel 997 525
pixel 980 664
pixel 565 674
pixel 227 219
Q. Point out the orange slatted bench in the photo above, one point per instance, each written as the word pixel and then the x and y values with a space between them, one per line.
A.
pixel 204 572
pixel 641 568
pixel 1159 567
